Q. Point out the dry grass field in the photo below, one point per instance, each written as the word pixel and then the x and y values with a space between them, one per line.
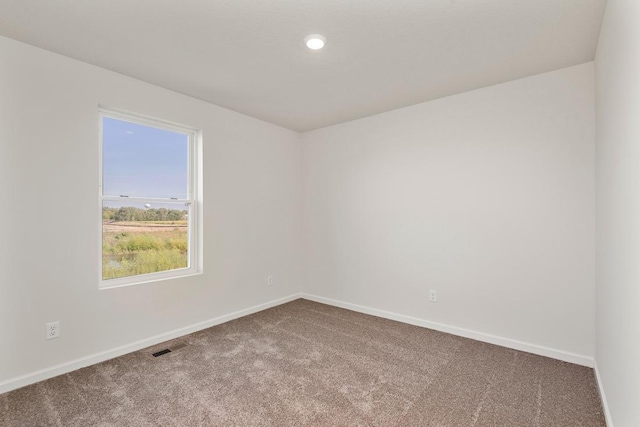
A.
pixel 140 247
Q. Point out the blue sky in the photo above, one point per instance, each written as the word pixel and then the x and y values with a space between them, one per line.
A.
pixel 143 161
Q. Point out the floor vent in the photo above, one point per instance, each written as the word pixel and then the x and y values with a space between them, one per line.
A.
pixel 177 346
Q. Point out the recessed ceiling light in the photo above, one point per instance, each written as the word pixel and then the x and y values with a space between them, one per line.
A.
pixel 315 41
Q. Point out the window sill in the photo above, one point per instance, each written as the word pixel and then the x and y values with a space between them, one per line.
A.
pixel 144 278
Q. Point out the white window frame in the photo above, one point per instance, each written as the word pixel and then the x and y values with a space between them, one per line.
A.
pixel 193 202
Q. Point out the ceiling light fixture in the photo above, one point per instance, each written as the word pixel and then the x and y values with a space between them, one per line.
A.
pixel 315 41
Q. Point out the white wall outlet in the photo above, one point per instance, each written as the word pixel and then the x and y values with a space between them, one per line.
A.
pixel 269 280
pixel 433 295
pixel 53 330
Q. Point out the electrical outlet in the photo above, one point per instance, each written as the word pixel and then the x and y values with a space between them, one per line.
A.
pixel 53 330
pixel 433 295
pixel 269 280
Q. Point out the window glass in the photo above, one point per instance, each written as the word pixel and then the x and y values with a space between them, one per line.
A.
pixel 143 161
pixel 147 213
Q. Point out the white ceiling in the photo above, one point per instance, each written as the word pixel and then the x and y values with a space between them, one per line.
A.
pixel 249 55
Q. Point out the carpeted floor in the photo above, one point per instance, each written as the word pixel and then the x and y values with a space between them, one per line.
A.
pixel 305 363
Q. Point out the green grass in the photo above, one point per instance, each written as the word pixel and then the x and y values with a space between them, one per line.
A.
pixel 131 253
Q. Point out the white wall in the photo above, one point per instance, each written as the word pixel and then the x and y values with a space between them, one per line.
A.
pixel 49 192
pixel 618 210
pixel 487 197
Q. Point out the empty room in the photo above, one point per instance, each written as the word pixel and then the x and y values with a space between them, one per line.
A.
pixel 320 213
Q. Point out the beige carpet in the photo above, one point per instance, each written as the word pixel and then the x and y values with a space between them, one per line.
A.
pixel 305 363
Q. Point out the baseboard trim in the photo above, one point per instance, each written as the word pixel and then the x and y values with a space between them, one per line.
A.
pixel 603 397
pixel 63 368
pixel 462 332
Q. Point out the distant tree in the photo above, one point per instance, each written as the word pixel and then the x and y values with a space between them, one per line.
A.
pixel 130 213
pixel 174 215
pixel 108 214
pixel 126 214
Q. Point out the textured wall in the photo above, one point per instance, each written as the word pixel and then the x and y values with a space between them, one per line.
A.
pixel 487 197
pixel 618 210
pixel 49 262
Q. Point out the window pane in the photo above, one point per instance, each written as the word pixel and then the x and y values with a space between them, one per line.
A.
pixel 143 161
pixel 141 238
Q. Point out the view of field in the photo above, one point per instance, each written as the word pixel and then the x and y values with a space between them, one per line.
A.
pixel 133 243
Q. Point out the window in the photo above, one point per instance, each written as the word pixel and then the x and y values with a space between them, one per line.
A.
pixel 148 200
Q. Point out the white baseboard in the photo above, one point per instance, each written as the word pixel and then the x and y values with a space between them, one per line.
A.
pixel 603 397
pixel 63 368
pixel 454 330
